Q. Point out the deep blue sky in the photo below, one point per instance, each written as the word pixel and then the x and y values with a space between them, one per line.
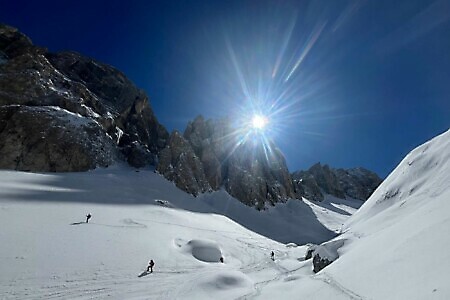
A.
pixel 372 81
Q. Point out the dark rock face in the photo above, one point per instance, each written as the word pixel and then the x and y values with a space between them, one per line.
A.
pixel 307 186
pixel 310 252
pixel 51 139
pixel 327 180
pixel 178 163
pixel 248 172
pixel 357 183
pixel 324 254
pixel 99 94
pixel 319 263
pixel 12 42
pixel 66 112
pixel 202 137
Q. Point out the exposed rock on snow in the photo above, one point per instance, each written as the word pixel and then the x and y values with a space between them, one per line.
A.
pixel 310 251
pixel 320 262
pixel 324 254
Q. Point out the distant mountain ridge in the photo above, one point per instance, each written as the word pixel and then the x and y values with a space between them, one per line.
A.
pixel 209 156
pixel 356 183
pixel 64 112
pixel 212 156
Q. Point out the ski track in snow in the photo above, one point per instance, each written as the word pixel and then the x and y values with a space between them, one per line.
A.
pixel 401 230
pixel 329 280
pixel 95 287
pixel 103 258
pixel 101 284
pixel 282 274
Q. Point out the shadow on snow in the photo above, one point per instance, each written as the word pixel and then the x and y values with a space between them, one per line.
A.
pixel 293 221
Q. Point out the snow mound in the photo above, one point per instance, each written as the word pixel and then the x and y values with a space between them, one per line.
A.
pixel 203 250
pixel 227 280
pixel 225 285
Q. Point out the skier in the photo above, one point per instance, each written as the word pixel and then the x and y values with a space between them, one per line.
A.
pixel 151 263
pixel 221 259
pixel 272 256
pixel 88 216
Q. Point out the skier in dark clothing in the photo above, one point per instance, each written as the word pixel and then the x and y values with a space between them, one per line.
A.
pixel 221 259
pixel 151 263
pixel 272 256
pixel 88 216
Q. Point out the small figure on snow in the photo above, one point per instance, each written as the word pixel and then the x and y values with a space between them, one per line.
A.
pixel 151 263
pixel 272 256
pixel 88 216
pixel 221 259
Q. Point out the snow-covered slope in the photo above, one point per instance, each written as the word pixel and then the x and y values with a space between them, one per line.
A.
pixel 401 234
pixel 394 247
pixel 423 177
pixel 48 252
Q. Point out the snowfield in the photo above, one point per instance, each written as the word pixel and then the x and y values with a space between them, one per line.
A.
pixel 394 247
pixel 49 252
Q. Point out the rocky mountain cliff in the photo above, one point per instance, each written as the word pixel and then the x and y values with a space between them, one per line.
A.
pixel 357 183
pixel 66 112
pixel 217 157
pixel 212 156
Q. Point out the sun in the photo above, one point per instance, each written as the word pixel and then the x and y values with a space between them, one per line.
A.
pixel 259 122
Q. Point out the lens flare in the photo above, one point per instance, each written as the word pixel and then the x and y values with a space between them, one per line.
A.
pixel 276 85
pixel 259 122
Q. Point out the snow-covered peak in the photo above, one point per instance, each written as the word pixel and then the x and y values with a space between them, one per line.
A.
pixel 390 243
pixel 422 176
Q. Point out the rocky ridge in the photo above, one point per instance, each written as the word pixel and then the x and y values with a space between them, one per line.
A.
pixel 63 112
pixel 356 183
pixel 66 112
pixel 217 157
pixel 213 155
